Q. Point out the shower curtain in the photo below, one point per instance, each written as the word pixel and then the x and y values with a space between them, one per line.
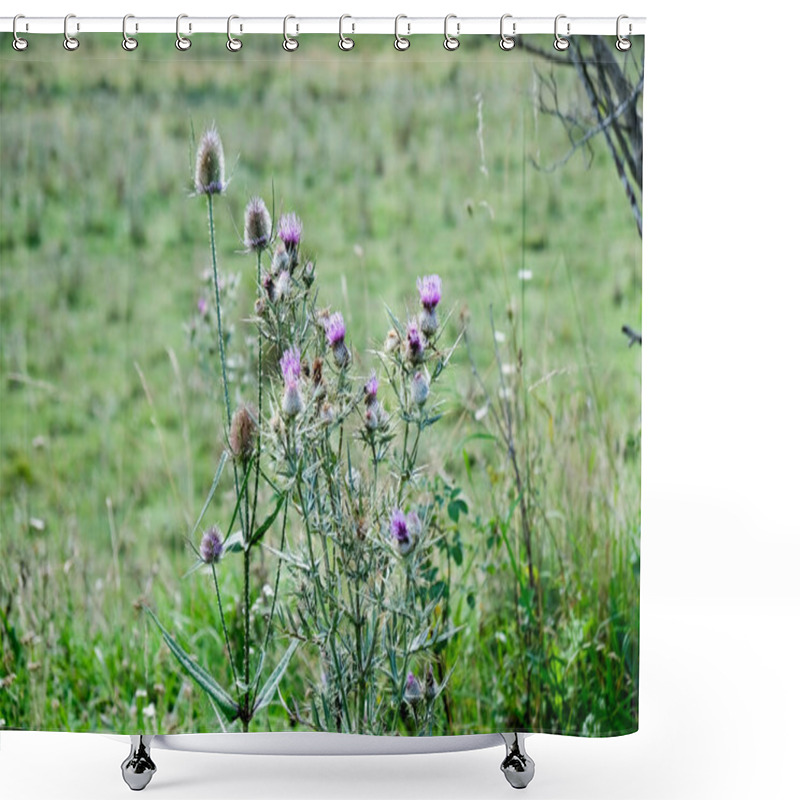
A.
pixel 320 386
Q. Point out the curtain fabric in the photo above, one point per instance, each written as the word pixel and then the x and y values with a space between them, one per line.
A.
pixel 320 386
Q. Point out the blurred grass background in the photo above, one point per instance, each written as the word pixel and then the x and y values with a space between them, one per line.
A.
pixel 380 153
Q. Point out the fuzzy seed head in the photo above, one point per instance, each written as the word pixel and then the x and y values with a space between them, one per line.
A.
pixel 257 225
pixel 209 171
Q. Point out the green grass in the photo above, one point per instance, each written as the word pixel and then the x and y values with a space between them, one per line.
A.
pixel 101 252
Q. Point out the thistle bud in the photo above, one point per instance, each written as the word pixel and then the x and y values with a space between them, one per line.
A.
pixel 209 171
pixel 292 400
pixel 257 225
pixel 420 388
pixel 413 690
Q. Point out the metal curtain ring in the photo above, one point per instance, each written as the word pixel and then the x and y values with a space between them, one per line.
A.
pixel 451 42
pixel 128 42
pixel 345 42
pixel 623 43
pixel 400 42
pixel 507 42
pixel 181 42
pixel 18 43
pixel 70 42
pixel 290 44
pixel 233 44
pixel 560 44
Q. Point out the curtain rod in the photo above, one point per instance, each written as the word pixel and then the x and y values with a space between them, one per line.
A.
pixel 349 25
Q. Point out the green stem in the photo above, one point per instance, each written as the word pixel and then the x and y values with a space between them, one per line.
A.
pixel 221 343
pixel 219 316
pixel 224 626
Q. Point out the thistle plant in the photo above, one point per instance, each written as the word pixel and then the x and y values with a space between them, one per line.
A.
pixel 325 462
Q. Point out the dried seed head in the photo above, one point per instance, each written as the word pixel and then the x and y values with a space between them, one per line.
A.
pixel 257 225
pixel 209 171
pixel 243 434
pixel 211 545
pixel 316 371
pixel 392 341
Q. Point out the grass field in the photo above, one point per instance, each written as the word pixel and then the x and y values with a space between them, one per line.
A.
pixel 399 165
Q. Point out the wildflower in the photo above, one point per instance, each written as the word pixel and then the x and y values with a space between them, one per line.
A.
pixel 430 293
pixel 400 532
pixel 415 343
pixel 202 306
pixel 257 225
pixel 420 389
pixel 335 331
pixel 211 545
pixel 209 171
pixel 371 390
pixel 291 368
pixel 413 690
pixel 392 342
pixel 290 231
pixel 243 434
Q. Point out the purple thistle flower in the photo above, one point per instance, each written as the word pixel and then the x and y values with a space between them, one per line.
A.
pixel 290 230
pixel 430 291
pixel 399 527
pixel 211 545
pixel 401 532
pixel 290 365
pixel 335 329
pixel 371 389
pixel 415 343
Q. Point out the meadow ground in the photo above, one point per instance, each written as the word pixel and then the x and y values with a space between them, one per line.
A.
pixel 400 165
